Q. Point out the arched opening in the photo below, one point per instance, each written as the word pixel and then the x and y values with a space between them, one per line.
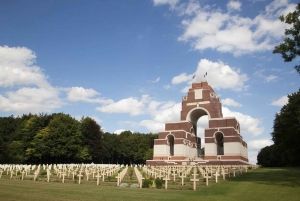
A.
pixel 220 143
pixel 198 117
pixel 171 144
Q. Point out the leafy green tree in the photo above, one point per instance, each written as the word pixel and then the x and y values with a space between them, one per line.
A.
pixel 286 133
pixel 269 156
pixel 65 139
pixel 290 48
pixel 111 144
pixel 8 126
pixel 92 135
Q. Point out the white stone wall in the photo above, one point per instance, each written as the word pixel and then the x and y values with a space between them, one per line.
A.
pixel 210 149
pixel 161 150
pixel 232 148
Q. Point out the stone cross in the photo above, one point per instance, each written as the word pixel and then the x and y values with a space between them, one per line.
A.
pixel 1 171
pixel 194 180
pixel 174 174
pixel 48 175
pixel 87 175
pixel 23 173
pixel 11 174
pixel 182 178
pixel 118 179
pixel 103 174
pixel 205 175
pixel 166 181
pixel 79 177
pixel 217 175
pixel 35 175
pixel 98 176
pixel 63 177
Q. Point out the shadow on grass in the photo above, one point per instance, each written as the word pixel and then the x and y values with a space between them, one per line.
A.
pixel 289 177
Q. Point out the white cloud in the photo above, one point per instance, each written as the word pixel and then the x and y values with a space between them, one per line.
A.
pixel 255 146
pixel 119 131
pixel 153 126
pixel 81 94
pixel 271 78
pixel 230 102
pixel 281 101
pixel 249 125
pixel 183 77
pixel 16 68
pixel 172 3
pixel 228 32
pixel 234 5
pixel 219 76
pixel 34 100
pixel 131 105
pixel 157 79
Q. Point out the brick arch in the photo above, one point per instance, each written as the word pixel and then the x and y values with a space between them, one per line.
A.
pixel 196 113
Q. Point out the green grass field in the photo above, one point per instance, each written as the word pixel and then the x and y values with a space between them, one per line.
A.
pixel 259 184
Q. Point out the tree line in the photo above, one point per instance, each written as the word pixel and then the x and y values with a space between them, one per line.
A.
pixel 286 136
pixel 60 138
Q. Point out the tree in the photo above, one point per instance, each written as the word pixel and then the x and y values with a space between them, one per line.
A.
pixel 290 48
pixel 269 156
pixel 92 138
pixel 286 133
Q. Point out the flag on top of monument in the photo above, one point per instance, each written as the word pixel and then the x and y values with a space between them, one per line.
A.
pixel 205 74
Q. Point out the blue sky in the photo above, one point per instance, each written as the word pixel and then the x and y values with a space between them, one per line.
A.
pixel 128 63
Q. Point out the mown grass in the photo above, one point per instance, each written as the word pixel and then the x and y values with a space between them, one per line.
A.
pixel 265 184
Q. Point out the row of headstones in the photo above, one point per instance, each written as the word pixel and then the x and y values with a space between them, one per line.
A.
pixel 206 172
pixel 121 175
pixel 62 170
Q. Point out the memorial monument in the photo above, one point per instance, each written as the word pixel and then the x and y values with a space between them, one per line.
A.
pixel 180 145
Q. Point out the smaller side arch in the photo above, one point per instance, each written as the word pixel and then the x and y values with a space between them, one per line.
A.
pixel 170 140
pixel 219 140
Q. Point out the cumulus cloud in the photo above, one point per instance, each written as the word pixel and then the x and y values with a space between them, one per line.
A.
pixel 281 101
pixel 17 70
pixel 34 100
pixel 181 78
pixel 172 3
pixel 234 5
pixel 219 75
pixel 131 105
pixel 255 146
pixel 230 102
pixel 207 27
pixel 249 125
pixel 86 95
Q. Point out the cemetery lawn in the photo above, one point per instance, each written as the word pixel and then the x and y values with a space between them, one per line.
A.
pixel 267 184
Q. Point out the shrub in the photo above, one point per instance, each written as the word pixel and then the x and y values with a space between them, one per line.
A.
pixel 147 183
pixel 158 183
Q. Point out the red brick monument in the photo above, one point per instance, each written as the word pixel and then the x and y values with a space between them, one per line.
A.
pixel 179 144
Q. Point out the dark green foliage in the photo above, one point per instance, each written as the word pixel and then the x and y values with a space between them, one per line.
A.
pixel 59 138
pixel 147 183
pixel 286 136
pixel 158 183
pixel 269 157
pixel 290 48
